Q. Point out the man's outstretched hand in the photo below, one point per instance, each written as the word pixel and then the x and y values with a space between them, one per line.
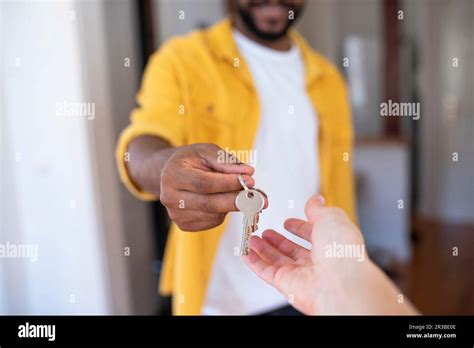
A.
pixel 335 276
pixel 195 183
pixel 197 189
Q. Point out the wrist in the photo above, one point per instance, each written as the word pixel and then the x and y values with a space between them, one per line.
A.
pixel 153 167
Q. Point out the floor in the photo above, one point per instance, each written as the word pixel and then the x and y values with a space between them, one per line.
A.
pixel 436 280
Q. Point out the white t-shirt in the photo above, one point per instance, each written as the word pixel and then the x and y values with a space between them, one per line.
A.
pixel 286 168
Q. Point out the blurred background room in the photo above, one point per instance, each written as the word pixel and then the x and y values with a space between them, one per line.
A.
pixel 99 249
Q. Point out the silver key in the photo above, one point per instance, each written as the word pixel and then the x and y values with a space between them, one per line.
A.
pixel 250 202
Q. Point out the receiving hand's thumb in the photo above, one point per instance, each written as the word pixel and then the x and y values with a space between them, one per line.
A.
pixel 314 206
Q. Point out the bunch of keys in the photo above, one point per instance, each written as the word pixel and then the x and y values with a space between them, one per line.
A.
pixel 250 202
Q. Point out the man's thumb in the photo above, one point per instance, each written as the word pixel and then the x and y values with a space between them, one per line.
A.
pixel 314 207
pixel 221 161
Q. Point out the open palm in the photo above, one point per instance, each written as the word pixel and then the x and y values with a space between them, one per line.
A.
pixel 302 274
pixel 284 264
pixel 317 281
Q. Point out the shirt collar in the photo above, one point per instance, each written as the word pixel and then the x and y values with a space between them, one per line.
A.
pixel 221 42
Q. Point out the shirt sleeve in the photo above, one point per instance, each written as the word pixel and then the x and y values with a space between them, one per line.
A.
pixel 160 112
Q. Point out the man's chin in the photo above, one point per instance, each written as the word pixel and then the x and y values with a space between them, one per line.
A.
pixel 271 34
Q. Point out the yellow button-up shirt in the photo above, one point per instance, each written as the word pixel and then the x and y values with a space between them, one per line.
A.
pixel 198 88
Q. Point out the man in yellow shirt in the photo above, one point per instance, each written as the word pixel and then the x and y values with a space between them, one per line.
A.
pixel 251 85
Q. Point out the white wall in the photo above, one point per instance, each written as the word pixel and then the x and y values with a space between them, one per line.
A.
pixel 111 65
pixel 382 172
pixel 63 194
pixel 52 198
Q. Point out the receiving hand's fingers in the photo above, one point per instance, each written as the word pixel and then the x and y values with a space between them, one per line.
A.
pixel 261 268
pixel 314 207
pixel 299 228
pixel 284 245
pixel 209 182
pixel 268 252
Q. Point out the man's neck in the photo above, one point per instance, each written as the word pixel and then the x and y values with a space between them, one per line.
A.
pixel 282 44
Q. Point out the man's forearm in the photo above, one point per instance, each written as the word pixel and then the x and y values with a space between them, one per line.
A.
pixel 148 155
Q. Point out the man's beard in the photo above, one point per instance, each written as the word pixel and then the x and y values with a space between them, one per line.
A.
pixel 250 24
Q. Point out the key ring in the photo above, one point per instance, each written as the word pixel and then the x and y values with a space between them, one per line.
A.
pixel 242 182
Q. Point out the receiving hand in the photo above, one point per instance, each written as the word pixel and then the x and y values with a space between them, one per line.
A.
pixel 335 276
